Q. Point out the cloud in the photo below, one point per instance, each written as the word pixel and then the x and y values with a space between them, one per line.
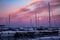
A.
pixel 39 9
pixel 23 9
pixel 32 3
pixel 19 12
pixel 56 2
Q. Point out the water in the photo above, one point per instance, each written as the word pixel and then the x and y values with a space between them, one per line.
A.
pixel 36 38
pixel 9 36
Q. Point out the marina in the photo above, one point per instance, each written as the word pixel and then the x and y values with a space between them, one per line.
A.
pixel 29 35
pixel 38 20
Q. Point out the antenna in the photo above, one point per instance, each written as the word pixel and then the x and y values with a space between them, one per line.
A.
pixel 49 14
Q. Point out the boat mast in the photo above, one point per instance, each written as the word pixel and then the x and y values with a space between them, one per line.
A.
pixel 30 22
pixel 49 14
pixel 9 21
pixel 36 19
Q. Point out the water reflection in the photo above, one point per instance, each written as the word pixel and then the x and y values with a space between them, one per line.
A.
pixel 37 38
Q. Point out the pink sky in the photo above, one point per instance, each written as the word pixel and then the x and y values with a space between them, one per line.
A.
pixel 27 10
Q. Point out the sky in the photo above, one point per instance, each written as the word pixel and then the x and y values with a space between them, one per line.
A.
pixel 22 11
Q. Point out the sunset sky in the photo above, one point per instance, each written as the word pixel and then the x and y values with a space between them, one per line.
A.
pixel 22 11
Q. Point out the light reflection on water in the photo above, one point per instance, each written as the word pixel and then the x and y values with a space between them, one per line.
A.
pixel 37 38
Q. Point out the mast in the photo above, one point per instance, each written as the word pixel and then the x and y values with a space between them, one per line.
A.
pixel 9 21
pixel 36 19
pixel 30 22
pixel 49 14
